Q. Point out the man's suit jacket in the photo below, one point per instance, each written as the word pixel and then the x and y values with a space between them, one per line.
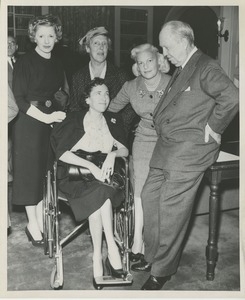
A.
pixel 201 94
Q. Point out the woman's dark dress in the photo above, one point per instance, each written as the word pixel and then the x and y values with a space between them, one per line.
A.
pixel 84 198
pixel 35 79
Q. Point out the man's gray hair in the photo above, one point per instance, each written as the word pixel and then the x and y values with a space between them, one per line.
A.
pixel 182 29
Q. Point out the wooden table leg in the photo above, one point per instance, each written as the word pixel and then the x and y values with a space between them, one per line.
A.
pixel 211 249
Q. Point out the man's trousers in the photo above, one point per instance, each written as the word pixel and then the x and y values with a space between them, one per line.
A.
pixel 167 199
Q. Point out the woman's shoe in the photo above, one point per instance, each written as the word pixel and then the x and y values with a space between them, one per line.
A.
pixel 118 273
pixel 96 286
pixel 35 243
pixel 135 257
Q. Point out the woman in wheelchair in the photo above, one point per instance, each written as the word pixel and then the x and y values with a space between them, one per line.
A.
pixel 92 130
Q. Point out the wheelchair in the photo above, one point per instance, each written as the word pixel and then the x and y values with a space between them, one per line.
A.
pixel 123 226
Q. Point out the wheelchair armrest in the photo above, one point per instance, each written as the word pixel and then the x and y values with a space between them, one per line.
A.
pixel 125 161
pixel 122 159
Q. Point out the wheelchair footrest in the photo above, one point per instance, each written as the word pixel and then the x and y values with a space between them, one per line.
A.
pixel 110 280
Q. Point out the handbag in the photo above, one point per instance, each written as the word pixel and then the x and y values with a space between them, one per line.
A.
pixel 117 179
pixel 60 100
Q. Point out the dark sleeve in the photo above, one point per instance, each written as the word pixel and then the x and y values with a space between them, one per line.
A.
pixel 65 135
pixel 21 79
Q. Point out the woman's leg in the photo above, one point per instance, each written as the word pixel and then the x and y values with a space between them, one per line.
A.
pixel 113 252
pixel 138 227
pixel 32 225
pixel 95 226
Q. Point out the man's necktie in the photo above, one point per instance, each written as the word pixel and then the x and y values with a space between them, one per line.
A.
pixel 13 61
pixel 174 77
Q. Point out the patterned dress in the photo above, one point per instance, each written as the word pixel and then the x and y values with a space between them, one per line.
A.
pixel 144 103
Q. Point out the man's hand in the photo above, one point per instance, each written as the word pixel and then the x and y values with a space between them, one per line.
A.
pixel 209 132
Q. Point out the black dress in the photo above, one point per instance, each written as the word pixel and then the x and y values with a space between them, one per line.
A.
pixel 84 197
pixel 35 79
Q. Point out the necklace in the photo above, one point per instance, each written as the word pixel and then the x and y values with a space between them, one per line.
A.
pixel 152 87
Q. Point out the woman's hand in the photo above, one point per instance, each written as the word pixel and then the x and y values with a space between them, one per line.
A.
pixel 56 116
pixel 96 171
pixel 108 166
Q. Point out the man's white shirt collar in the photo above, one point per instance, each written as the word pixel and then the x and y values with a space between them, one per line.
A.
pixel 189 56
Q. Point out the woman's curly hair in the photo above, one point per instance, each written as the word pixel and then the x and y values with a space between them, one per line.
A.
pixel 162 61
pixel 89 87
pixel 48 20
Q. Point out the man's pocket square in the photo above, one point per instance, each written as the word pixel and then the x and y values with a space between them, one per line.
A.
pixel 188 89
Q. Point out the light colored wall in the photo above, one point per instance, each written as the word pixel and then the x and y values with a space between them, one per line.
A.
pixel 229 51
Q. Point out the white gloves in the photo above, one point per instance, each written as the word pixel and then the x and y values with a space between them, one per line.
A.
pixel 57 116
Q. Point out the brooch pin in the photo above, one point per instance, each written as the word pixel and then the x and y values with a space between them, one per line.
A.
pixel 160 93
pixel 142 93
pixel 113 120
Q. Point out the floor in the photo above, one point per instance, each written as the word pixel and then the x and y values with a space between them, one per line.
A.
pixel 29 269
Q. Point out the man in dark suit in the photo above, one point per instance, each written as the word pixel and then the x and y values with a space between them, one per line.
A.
pixel 12 50
pixel 197 106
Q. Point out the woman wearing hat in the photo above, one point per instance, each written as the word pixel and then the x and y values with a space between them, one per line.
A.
pixel 97 43
pixel 37 78
pixel 144 92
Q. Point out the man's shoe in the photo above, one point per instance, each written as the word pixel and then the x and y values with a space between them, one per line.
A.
pixel 141 266
pixel 155 283
pixel 135 257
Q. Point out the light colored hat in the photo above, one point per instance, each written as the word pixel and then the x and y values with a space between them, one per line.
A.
pixel 92 33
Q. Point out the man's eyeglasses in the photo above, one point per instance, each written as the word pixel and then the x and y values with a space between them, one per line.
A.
pixel 11 44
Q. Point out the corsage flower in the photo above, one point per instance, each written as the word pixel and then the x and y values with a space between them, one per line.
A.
pixel 160 93
pixel 141 93
pixel 113 120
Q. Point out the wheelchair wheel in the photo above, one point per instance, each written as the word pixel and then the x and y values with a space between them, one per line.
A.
pixel 49 215
pixel 131 217
pixel 124 223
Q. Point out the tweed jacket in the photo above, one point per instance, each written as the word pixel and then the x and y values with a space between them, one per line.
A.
pixel 201 94
pixel 114 79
